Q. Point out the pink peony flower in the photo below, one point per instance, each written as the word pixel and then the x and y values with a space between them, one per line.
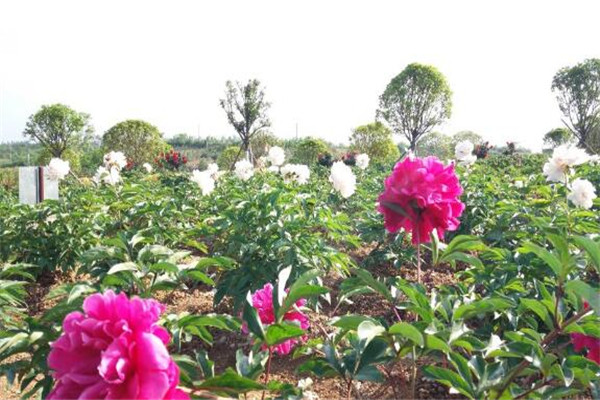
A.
pixel 262 300
pixel 114 350
pixel 421 195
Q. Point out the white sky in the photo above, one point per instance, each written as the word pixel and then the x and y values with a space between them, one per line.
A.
pixel 324 63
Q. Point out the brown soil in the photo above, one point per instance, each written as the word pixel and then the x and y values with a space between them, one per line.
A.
pixel 222 352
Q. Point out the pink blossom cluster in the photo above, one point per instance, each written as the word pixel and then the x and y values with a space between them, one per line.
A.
pixel 262 301
pixel 421 195
pixel 114 350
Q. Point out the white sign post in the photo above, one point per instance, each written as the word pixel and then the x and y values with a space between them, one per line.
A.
pixel 35 187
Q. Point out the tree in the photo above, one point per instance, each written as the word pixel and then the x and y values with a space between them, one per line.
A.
pixel 307 150
pixel 557 136
pixel 471 136
pixel 415 101
pixel 578 93
pixel 374 139
pixel 435 144
pixel 246 110
pixel 58 128
pixel 139 140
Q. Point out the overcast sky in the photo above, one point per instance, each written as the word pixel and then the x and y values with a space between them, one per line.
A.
pixel 324 63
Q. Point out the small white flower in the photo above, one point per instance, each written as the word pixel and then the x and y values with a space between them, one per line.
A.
pixel 362 161
pixel 58 169
pixel 115 159
pixel 582 193
pixel 343 179
pixel 244 170
pixel 204 180
pixel 110 176
pixel 276 156
pixel 298 173
pixel 519 184
pixel 563 158
pixel 305 383
pixel 273 168
pixel 148 167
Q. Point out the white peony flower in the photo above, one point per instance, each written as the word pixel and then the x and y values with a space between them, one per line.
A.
pixel 244 170
pixel 110 176
pixel 148 167
pixel 115 159
pixel 343 179
pixel 362 161
pixel 273 168
pixel 563 158
pixel 305 383
pixel 463 150
pixel 295 172
pixel 276 156
pixel 519 184
pixel 212 169
pixel 468 160
pixel 58 169
pixel 204 180
pixel 582 193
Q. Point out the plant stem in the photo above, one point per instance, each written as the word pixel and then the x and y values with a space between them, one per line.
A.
pixel 414 372
pixel 534 388
pixel 268 370
pixel 418 259
pixel 349 390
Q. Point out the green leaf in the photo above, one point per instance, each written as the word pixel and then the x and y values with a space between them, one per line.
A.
pixel 125 266
pixel 301 290
pixel 588 293
pixel 350 322
pixel 251 318
pixel 450 379
pixel 279 333
pixel 408 331
pixel 374 284
pixel 482 306
pixel 550 259
pixel 539 309
pixel 434 343
pixel 230 383
pixel 591 247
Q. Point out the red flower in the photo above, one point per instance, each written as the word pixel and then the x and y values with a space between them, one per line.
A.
pixel 592 344
pixel 419 196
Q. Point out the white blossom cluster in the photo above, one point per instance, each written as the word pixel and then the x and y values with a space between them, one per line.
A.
pixel 206 179
pixel 563 159
pixel 362 161
pixel 582 193
pixel 343 179
pixel 298 173
pixel 110 172
pixel 244 170
pixel 463 152
pixel 58 169
pixel 276 156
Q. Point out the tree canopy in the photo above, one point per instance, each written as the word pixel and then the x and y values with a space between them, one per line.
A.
pixel 557 136
pixel 577 90
pixel 139 140
pixel 415 101
pixel 374 139
pixel 58 128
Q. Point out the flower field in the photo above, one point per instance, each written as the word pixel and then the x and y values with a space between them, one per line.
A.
pixel 356 280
